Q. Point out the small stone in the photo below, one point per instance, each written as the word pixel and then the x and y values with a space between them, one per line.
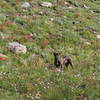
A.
pixel 38 95
pixel 87 43
pixel 25 5
pixel 91 11
pixel 94 31
pixel 40 13
pixel 17 48
pixel 86 6
pixel 77 75
pixel 51 19
pixel 48 65
pixel 58 70
pixel 33 35
pixel 46 4
pixel 70 7
pixel 98 36
pixel 66 3
pixel 94 11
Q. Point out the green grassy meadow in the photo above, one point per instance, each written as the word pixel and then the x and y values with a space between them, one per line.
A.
pixel 69 28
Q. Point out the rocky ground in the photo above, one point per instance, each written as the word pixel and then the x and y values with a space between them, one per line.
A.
pixel 30 31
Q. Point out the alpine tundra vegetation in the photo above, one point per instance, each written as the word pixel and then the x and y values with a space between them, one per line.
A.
pixel 31 31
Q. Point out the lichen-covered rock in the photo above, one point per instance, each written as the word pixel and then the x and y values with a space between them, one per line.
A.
pixel 17 47
pixel 46 4
pixel 25 5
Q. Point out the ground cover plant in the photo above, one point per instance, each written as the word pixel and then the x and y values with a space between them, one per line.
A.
pixel 71 27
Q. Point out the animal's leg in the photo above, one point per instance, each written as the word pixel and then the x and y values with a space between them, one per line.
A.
pixel 69 63
pixel 66 64
pixel 61 67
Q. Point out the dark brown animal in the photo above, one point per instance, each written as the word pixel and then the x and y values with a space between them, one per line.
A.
pixel 60 61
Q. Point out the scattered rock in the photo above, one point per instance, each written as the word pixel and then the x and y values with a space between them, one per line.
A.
pixel 59 21
pixel 17 48
pixel 38 95
pixel 98 36
pixel 48 65
pixel 40 13
pixel 51 19
pixel 85 41
pixel 66 3
pixel 58 70
pixel 77 75
pixel 46 4
pixel 33 35
pixel 86 6
pixel 94 11
pixel 94 31
pixel 25 5
pixel 70 7
pixel 3 57
pixel 29 36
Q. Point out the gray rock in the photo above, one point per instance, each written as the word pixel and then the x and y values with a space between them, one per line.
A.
pixel 25 5
pixel 46 4
pixel 17 48
pixel 98 36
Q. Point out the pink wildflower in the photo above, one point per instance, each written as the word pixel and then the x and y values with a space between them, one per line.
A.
pixel 7 22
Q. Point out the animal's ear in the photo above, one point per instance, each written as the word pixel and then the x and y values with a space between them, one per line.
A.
pixel 56 53
pixel 53 53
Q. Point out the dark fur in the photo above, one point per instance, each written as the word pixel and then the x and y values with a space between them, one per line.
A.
pixel 60 61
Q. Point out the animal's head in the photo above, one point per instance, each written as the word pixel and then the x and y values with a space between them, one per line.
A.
pixel 56 54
